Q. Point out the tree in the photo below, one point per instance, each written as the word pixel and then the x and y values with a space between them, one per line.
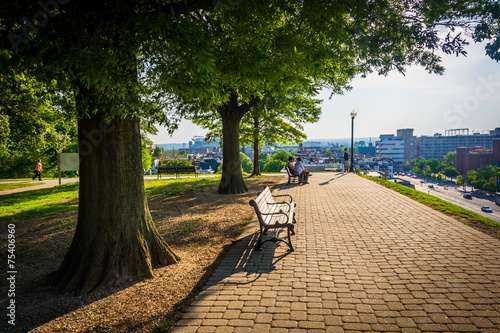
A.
pixel 174 162
pixel 157 152
pixel 92 49
pixel 360 144
pixel 278 119
pixel 471 178
pixel 263 159
pixel 315 43
pixel 272 119
pixel 435 165
pixel 274 165
pixel 450 171
pixel 281 155
pixel 35 122
pixel 147 159
pixel 246 163
pixel 419 165
pixel 449 158
pixel 485 178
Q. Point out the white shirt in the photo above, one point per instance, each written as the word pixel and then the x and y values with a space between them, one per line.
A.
pixel 299 167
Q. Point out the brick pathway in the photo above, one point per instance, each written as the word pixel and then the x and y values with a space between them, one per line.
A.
pixel 366 259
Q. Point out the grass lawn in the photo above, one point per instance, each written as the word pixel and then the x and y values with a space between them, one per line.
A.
pixel 439 204
pixel 38 203
pixel 63 198
pixel 11 186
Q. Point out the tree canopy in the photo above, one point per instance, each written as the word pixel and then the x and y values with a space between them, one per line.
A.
pixel 119 61
pixel 261 48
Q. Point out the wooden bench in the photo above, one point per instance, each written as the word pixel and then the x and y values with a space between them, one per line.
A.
pixel 166 170
pixel 177 170
pixel 274 215
pixel 187 169
pixel 291 175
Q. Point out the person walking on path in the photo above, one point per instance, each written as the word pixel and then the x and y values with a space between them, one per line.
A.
pixel 38 170
pixel 303 172
pixel 346 161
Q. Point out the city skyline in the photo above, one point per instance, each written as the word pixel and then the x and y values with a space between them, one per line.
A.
pixel 466 96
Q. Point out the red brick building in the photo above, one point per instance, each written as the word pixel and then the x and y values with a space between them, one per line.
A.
pixel 476 157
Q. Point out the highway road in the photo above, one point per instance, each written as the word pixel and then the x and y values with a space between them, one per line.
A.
pixel 454 194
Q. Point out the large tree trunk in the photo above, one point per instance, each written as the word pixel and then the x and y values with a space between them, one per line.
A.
pixel 232 178
pixel 116 239
pixel 256 166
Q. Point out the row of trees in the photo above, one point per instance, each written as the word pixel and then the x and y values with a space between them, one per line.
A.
pixel 483 179
pixel 275 163
pixel 122 65
pixel 434 167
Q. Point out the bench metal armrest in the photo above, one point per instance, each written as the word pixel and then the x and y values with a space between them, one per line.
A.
pixel 280 213
pixel 281 203
pixel 283 195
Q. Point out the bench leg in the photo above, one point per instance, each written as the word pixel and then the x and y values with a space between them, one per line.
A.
pixel 290 232
pixel 290 240
pixel 259 242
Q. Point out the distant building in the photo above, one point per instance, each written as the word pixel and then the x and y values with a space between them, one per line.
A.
pixel 400 148
pixel 310 144
pixel 248 151
pixel 209 163
pixel 474 158
pixel 439 145
pixel 198 143
pixel 365 151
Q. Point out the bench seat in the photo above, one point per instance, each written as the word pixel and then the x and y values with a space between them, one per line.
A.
pixel 291 175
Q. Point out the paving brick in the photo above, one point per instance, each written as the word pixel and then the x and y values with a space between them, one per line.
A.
pixel 284 323
pixel 263 318
pixel 366 259
pixel 215 322
pixel 405 322
pixel 224 329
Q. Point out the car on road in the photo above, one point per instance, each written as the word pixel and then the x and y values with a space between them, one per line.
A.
pixel 486 209
pixel 431 186
pixel 468 196
pixel 422 181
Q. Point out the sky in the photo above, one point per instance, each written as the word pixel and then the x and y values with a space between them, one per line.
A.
pixel 466 96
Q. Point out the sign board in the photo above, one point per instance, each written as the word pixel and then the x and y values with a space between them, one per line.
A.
pixel 70 161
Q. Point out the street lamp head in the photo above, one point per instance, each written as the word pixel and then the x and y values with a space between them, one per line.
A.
pixel 353 113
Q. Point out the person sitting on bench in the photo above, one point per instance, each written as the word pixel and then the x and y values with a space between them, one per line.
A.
pixel 291 165
pixel 303 172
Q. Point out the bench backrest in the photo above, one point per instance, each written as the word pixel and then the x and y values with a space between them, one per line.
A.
pixel 167 169
pixel 186 169
pixel 290 173
pixel 263 201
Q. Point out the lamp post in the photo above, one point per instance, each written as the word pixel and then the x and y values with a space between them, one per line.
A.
pixel 353 115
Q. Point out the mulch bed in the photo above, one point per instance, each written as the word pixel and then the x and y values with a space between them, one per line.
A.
pixel 199 226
